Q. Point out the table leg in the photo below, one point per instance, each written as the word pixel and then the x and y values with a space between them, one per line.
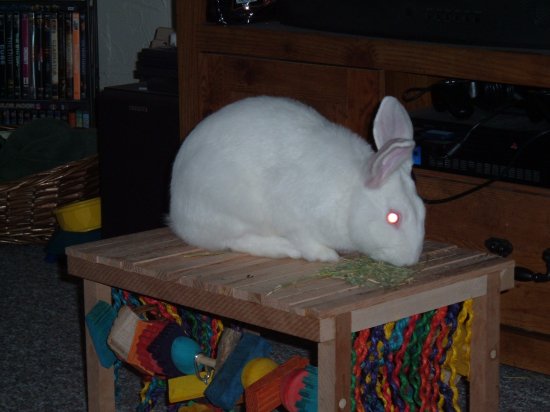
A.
pixel 101 382
pixel 484 353
pixel 334 371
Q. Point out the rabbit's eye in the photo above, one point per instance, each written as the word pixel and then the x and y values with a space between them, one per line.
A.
pixel 392 217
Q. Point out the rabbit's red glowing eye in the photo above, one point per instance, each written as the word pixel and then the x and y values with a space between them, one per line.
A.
pixel 392 217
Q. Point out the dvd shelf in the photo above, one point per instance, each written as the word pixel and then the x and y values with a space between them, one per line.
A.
pixel 47 61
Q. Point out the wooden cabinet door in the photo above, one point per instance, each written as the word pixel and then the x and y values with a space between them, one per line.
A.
pixel 347 96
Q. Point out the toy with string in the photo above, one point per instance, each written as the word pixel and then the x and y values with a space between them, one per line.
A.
pixel 409 365
pixel 142 343
pixel 226 387
pixel 242 360
pixel 144 311
pixel 157 347
pixel 196 366
pixel 246 363
pixel 160 348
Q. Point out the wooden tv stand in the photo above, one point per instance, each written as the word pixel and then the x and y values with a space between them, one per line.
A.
pixel 344 77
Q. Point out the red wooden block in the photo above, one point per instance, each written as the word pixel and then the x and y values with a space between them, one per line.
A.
pixel 264 394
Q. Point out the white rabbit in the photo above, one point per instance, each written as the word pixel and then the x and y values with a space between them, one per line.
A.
pixel 271 177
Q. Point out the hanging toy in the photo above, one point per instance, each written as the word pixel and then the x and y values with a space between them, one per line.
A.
pixel 299 390
pixel 99 321
pixel 255 369
pixel 226 386
pixel 264 395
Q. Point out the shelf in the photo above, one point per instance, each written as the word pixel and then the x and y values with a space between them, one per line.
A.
pixel 48 62
pixel 276 41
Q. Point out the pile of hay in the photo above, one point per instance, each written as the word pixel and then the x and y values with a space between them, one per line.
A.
pixel 364 271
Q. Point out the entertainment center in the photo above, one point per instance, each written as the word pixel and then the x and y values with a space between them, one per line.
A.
pixel 344 76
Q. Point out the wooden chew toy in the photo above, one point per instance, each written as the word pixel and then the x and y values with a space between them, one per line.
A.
pixel 264 394
pixel 189 387
pixel 226 387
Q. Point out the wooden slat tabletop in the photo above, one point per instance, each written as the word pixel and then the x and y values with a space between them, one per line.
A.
pixel 283 284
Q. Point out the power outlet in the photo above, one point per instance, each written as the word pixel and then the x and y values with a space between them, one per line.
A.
pixel 498 246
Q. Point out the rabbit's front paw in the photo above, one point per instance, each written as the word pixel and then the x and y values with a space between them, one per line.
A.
pixel 314 251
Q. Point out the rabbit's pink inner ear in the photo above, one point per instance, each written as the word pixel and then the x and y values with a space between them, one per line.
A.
pixel 391 121
pixel 387 161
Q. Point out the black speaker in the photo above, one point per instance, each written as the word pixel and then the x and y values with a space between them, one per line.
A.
pixel 138 137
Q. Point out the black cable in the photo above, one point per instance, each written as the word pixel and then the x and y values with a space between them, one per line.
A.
pixel 458 195
pixel 415 93
pixel 489 181
pixel 457 146
pixel 490 116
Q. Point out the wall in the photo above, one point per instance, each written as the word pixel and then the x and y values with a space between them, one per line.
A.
pixel 124 28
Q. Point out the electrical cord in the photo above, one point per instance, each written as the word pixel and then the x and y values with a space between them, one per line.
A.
pixel 457 146
pixel 524 274
pixel 489 181
pixel 521 274
pixel 458 195
pixel 480 123
pixel 506 93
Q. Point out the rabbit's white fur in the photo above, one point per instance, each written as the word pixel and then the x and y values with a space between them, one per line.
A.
pixel 272 177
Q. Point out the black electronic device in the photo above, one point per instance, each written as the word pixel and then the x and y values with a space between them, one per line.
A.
pixel 508 147
pixel 138 133
pixel 158 68
pixel 503 23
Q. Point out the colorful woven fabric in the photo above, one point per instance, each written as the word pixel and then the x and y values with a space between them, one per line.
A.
pixel 411 364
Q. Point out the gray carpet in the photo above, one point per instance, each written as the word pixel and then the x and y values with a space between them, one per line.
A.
pixel 41 355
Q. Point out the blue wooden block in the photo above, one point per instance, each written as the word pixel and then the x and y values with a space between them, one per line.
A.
pixel 226 387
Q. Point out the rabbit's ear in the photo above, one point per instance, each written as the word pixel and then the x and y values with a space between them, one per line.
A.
pixel 388 159
pixel 391 122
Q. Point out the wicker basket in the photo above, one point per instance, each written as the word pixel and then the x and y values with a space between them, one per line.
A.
pixel 27 204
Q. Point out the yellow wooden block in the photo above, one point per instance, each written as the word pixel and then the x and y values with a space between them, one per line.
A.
pixel 187 387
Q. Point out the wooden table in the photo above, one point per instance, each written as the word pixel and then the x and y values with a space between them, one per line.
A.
pixel 285 295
